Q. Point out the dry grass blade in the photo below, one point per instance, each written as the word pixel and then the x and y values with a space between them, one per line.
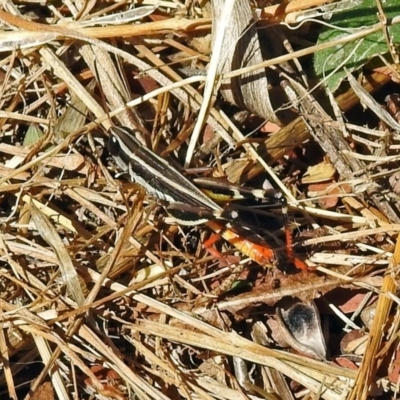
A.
pixel 6 364
pixel 234 345
pixel 365 381
pixel 68 271
pixel 215 69
pixel 45 353
pixel 133 220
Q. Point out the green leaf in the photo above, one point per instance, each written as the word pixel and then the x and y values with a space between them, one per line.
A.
pixel 240 285
pixel 353 55
pixel 33 135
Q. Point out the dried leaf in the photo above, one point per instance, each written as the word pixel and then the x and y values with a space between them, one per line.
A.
pixel 44 392
pixel 124 17
pixel 301 327
pixel 325 194
pixel 9 41
pixel 322 172
pixel 241 48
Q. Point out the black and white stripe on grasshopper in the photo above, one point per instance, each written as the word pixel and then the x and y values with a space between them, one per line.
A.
pixel 160 179
pixel 226 191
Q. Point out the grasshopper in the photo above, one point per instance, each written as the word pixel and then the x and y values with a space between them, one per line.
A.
pixel 188 204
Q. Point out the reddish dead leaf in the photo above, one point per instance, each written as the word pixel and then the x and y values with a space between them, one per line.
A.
pixel 103 373
pixel 110 390
pixel 388 71
pixel 352 304
pixel 157 16
pixel 329 198
pixel 113 392
pixel 346 363
pixel 270 127
pixel 208 134
pixel 148 84
pixel 350 341
pixel 394 371
pixel 44 392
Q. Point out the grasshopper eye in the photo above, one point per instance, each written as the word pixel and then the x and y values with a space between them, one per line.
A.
pixel 113 146
pixel 275 197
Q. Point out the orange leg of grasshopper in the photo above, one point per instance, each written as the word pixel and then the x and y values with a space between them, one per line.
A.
pixel 261 254
pixel 289 251
pixel 208 244
pixel 289 243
